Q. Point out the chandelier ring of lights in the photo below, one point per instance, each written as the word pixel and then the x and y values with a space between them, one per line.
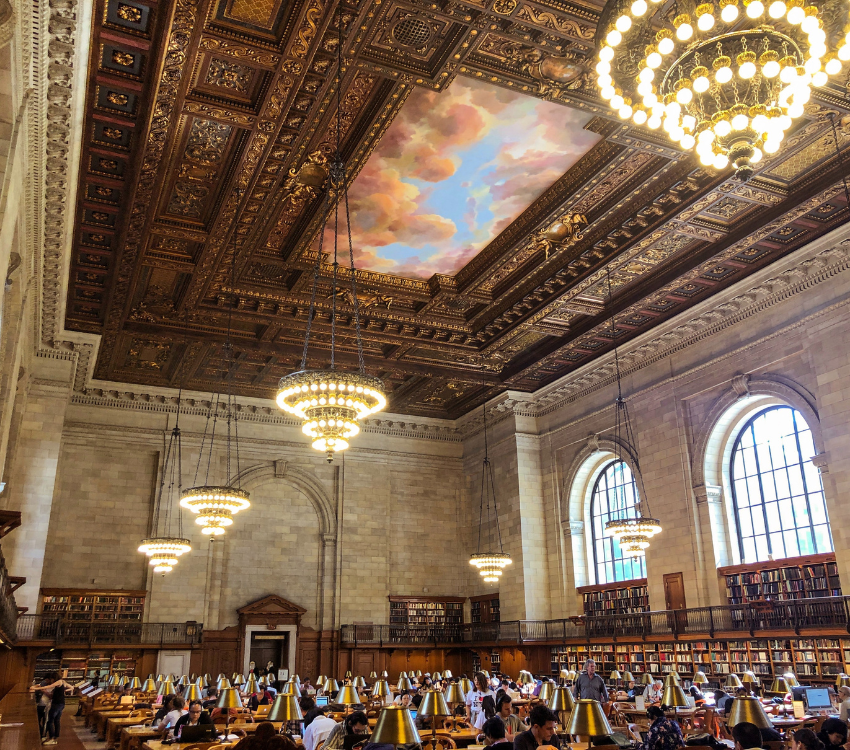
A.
pixel 724 83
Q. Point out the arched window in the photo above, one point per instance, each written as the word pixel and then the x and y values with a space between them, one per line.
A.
pixel 614 496
pixel 777 493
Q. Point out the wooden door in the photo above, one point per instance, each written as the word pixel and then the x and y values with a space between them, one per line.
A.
pixel 674 597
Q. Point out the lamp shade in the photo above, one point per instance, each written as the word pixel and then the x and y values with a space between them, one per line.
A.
pixel 436 676
pixel 672 680
pixel 240 679
pixel 252 686
pixel 221 676
pixel 149 686
pixel 700 678
pixel 380 689
pixel 285 708
pixel 433 704
pixel 359 682
pixel 321 680
pixel 331 686
pixel 749 678
pixel 295 678
pixel 842 680
pixel 749 709
pixel 348 675
pixel 562 675
pixel 418 672
pixel 347 696
pixel 403 684
pixel 674 696
pixel 291 688
pixel 780 685
pixel 571 675
pixel 402 674
pixel 647 679
pixel 166 688
pixel 588 718
pixel 201 682
pixel 373 675
pixel 791 679
pixel 454 694
pixel 207 679
pixel 628 676
pixel 447 675
pixel 615 675
pixel 191 693
pixel 135 684
pixel 223 684
pixel 384 675
pixel 229 698
pixel 395 727
pixel 546 691
pixel 184 680
pixel 562 700
pixel 466 685
pixel 112 681
pixel 733 681
pixel 160 677
pixel 262 680
pixel 123 681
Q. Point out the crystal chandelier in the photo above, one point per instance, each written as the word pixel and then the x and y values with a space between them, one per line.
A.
pixel 331 403
pixel 162 547
pixel 724 79
pixel 490 564
pixel 215 505
pixel 632 532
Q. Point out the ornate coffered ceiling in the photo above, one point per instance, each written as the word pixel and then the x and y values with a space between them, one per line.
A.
pixel 208 127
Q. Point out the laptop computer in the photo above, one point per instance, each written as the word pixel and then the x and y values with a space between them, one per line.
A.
pixel 198 733
pixel 817 700
pixel 322 700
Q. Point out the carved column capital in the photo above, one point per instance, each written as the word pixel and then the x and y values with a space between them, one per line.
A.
pixel 572 528
pixel 708 493
pixel 821 462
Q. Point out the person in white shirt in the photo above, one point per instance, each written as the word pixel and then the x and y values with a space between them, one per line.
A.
pixel 177 710
pixel 844 705
pixel 318 731
pixel 654 692
pixel 475 696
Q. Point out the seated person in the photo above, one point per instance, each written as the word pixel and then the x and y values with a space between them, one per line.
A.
pixel 177 710
pixel 542 723
pixel 212 698
pixel 164 709
pixel 196 716
pixel 654 692
pixel 403 699
pixel 697 695
pixel 664 733
pixel 746 736
pixel 494 734
pixel 722 701
pixel 805 739
pixel 263 698
pixel 833 734
pixel 355 723
pixel 504 710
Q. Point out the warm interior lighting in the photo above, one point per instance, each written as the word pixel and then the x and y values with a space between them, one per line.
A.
pixel 163 552
pixel 214 506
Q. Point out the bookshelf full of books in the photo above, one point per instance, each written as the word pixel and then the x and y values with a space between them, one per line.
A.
pixel 811 659
pixel 626 598
pixel 89 605
pixel 484 608
pixel 433 612
pixel 781 580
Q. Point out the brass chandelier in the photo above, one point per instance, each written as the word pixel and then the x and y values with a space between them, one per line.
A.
pixel 163 547
pixel 631 528
pixel 490 563
pixel 215 505
pixel 331 403
pixel 726 79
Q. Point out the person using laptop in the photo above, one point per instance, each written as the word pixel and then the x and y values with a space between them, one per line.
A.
pixel 196 717
pixel 263 698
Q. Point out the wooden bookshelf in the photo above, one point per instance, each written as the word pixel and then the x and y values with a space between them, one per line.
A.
pixel 429 611
pixel 625 598
pixel 781 580
pixel 484 608
pixel 811 659
pixel 85 606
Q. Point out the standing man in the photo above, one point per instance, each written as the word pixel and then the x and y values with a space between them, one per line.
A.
pixel 591 685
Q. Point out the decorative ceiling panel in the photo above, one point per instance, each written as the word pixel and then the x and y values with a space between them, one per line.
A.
pixel 494 196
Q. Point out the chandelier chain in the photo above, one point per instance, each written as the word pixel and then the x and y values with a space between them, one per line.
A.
pixel 316 268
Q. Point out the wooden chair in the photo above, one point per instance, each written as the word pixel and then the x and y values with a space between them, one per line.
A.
pixel 458 722
pixel 141 713
pixel 441 742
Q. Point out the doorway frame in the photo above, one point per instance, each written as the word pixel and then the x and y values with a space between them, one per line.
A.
pixel 292 630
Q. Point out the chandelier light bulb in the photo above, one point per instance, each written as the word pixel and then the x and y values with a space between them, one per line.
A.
pixel 684 96
pixel 833 67
pixel 701 84
pixel 723 128
pixel 614 37
pixel 684 32
pixel 606 54
pixel 624 23
pixel 639 117
pixel 607 92
pixel 809 24
pixel 653 60
pixel 820 78
pixel 721 161
pixel 794 111
pixel 647 74
pixel 777 9
pixel 644 89
pixel 770 69
pixel 706 158
pixel 729 14
pixel 604 81
pixel 844 52
pixel 687 142
pixel 617 101
pixel 625 112
pixel 757 156
pixel 755 9
pixel 654 122
pixel 796 15
pixel 740 122
pixel 639 7
pixel 771 147
pixel 603 67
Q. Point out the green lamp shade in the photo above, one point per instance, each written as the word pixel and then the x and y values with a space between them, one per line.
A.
pixel 135 684
pixel 395 727
pixel 466 685
pixel 672 680
pixel 780 685
pixel 842 680
pixel 615 675
pixel 285 708
pixel 433 704
pixel 447 675
pixel 791 679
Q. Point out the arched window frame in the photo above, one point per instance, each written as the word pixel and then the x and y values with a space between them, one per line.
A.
pixel 635 566
pixel 807 496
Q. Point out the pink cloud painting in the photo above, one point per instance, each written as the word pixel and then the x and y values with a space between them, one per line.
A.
pixel 453 170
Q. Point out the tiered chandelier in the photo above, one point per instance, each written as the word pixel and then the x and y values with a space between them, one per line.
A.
pixel 632 532
pixel 724 79
pixel 491 563
pixel 330 403
pixel 215 505
pixel 163 547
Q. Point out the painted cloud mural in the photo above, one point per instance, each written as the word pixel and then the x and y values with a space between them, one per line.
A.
pixel 453 170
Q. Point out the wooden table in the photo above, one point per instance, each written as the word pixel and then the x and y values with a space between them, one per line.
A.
pixel 115 725
pixel 790 722
pixel 133 737
pixel 99 719
pixel 247 728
